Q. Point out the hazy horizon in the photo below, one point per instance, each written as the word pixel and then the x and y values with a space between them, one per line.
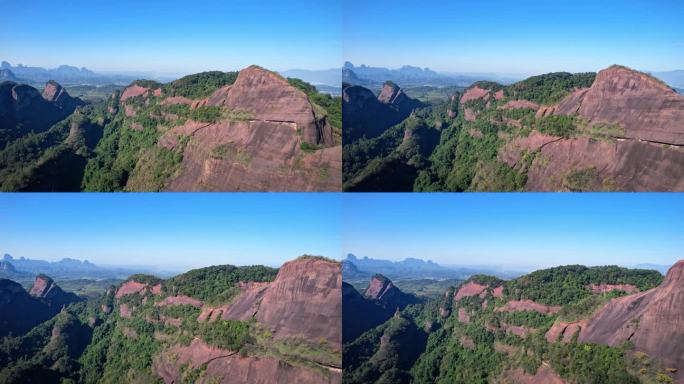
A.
pixel 170 231
pixel 172 37
pixel 522 37
pixel 514 230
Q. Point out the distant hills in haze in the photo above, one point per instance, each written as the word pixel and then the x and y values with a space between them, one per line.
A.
pixel 64 74
pixel 67 268
pixel 355 267
pixel 411 76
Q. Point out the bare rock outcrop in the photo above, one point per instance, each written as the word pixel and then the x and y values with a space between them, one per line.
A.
pixel 644 106
pixel 652 320
pixel 282 143
pixel 527 305
pixel 564 331
pixel 470 288
pixel 130 287
pixel 180 300
pixel 475 93
pixel 605 288
pixel 224 366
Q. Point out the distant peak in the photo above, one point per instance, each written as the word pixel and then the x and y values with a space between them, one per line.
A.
pixel 378 286
pixel 42 285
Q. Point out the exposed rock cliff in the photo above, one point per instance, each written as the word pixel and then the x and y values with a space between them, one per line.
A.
pixel 653 320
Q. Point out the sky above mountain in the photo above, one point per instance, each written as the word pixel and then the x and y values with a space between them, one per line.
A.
pixel 522 36
pixel 516 229
pixel 172 36
pixel 171 230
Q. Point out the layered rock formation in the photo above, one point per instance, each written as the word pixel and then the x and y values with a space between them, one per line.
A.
pixel 272 139
pixel 652 321
pixel 645 155
pixel 22 311
pixel 379 302
pixel 364 114
pixel 23 109
pixel 48 291
pixel 303 302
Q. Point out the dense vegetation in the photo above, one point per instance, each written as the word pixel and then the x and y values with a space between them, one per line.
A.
pixel 199 85
pixel 465 147
pixel 216 284
pixel 113 145
pixel 567 284
pixel 549 88
pixel 113 340
pixel 485 350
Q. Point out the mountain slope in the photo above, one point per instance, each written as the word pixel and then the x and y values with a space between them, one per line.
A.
pixel 618 130
pixel 522 331
pixel 218 324
pixel 247 131
pixel 379 301
pixel 24 110
pixel 23 310
pixel 650 320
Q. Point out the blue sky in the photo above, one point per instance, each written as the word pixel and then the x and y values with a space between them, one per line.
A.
pixel 515 37
pixel 170 231
pixel 517 229
pixel 172 36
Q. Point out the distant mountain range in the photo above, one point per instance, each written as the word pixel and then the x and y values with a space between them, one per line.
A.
pixel 410 76
pixel 354 267
pixel 64 74
pixel 673 78
pixel 22 268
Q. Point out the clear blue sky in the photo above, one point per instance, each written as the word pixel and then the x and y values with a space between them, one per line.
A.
pixel 172 36
pixel 517 229
pixel 521 36
pixel 171 231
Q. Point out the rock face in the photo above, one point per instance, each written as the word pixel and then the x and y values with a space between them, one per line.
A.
pixel 266 150
pixel 270 98
pixel 304 301
pixel 604 288
pixel 56 94
pixel 364 114
pixel 387 294
pixel 527 305
pixel 22 311
pixel 562 331
pixel 629 165
pixel 645 107
pixel 470 288
pixel 475 93
pixel 380 301
pixel 23 109
pixel 651 320
pixel 44 288
pixel 646 156
pixel 232 368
